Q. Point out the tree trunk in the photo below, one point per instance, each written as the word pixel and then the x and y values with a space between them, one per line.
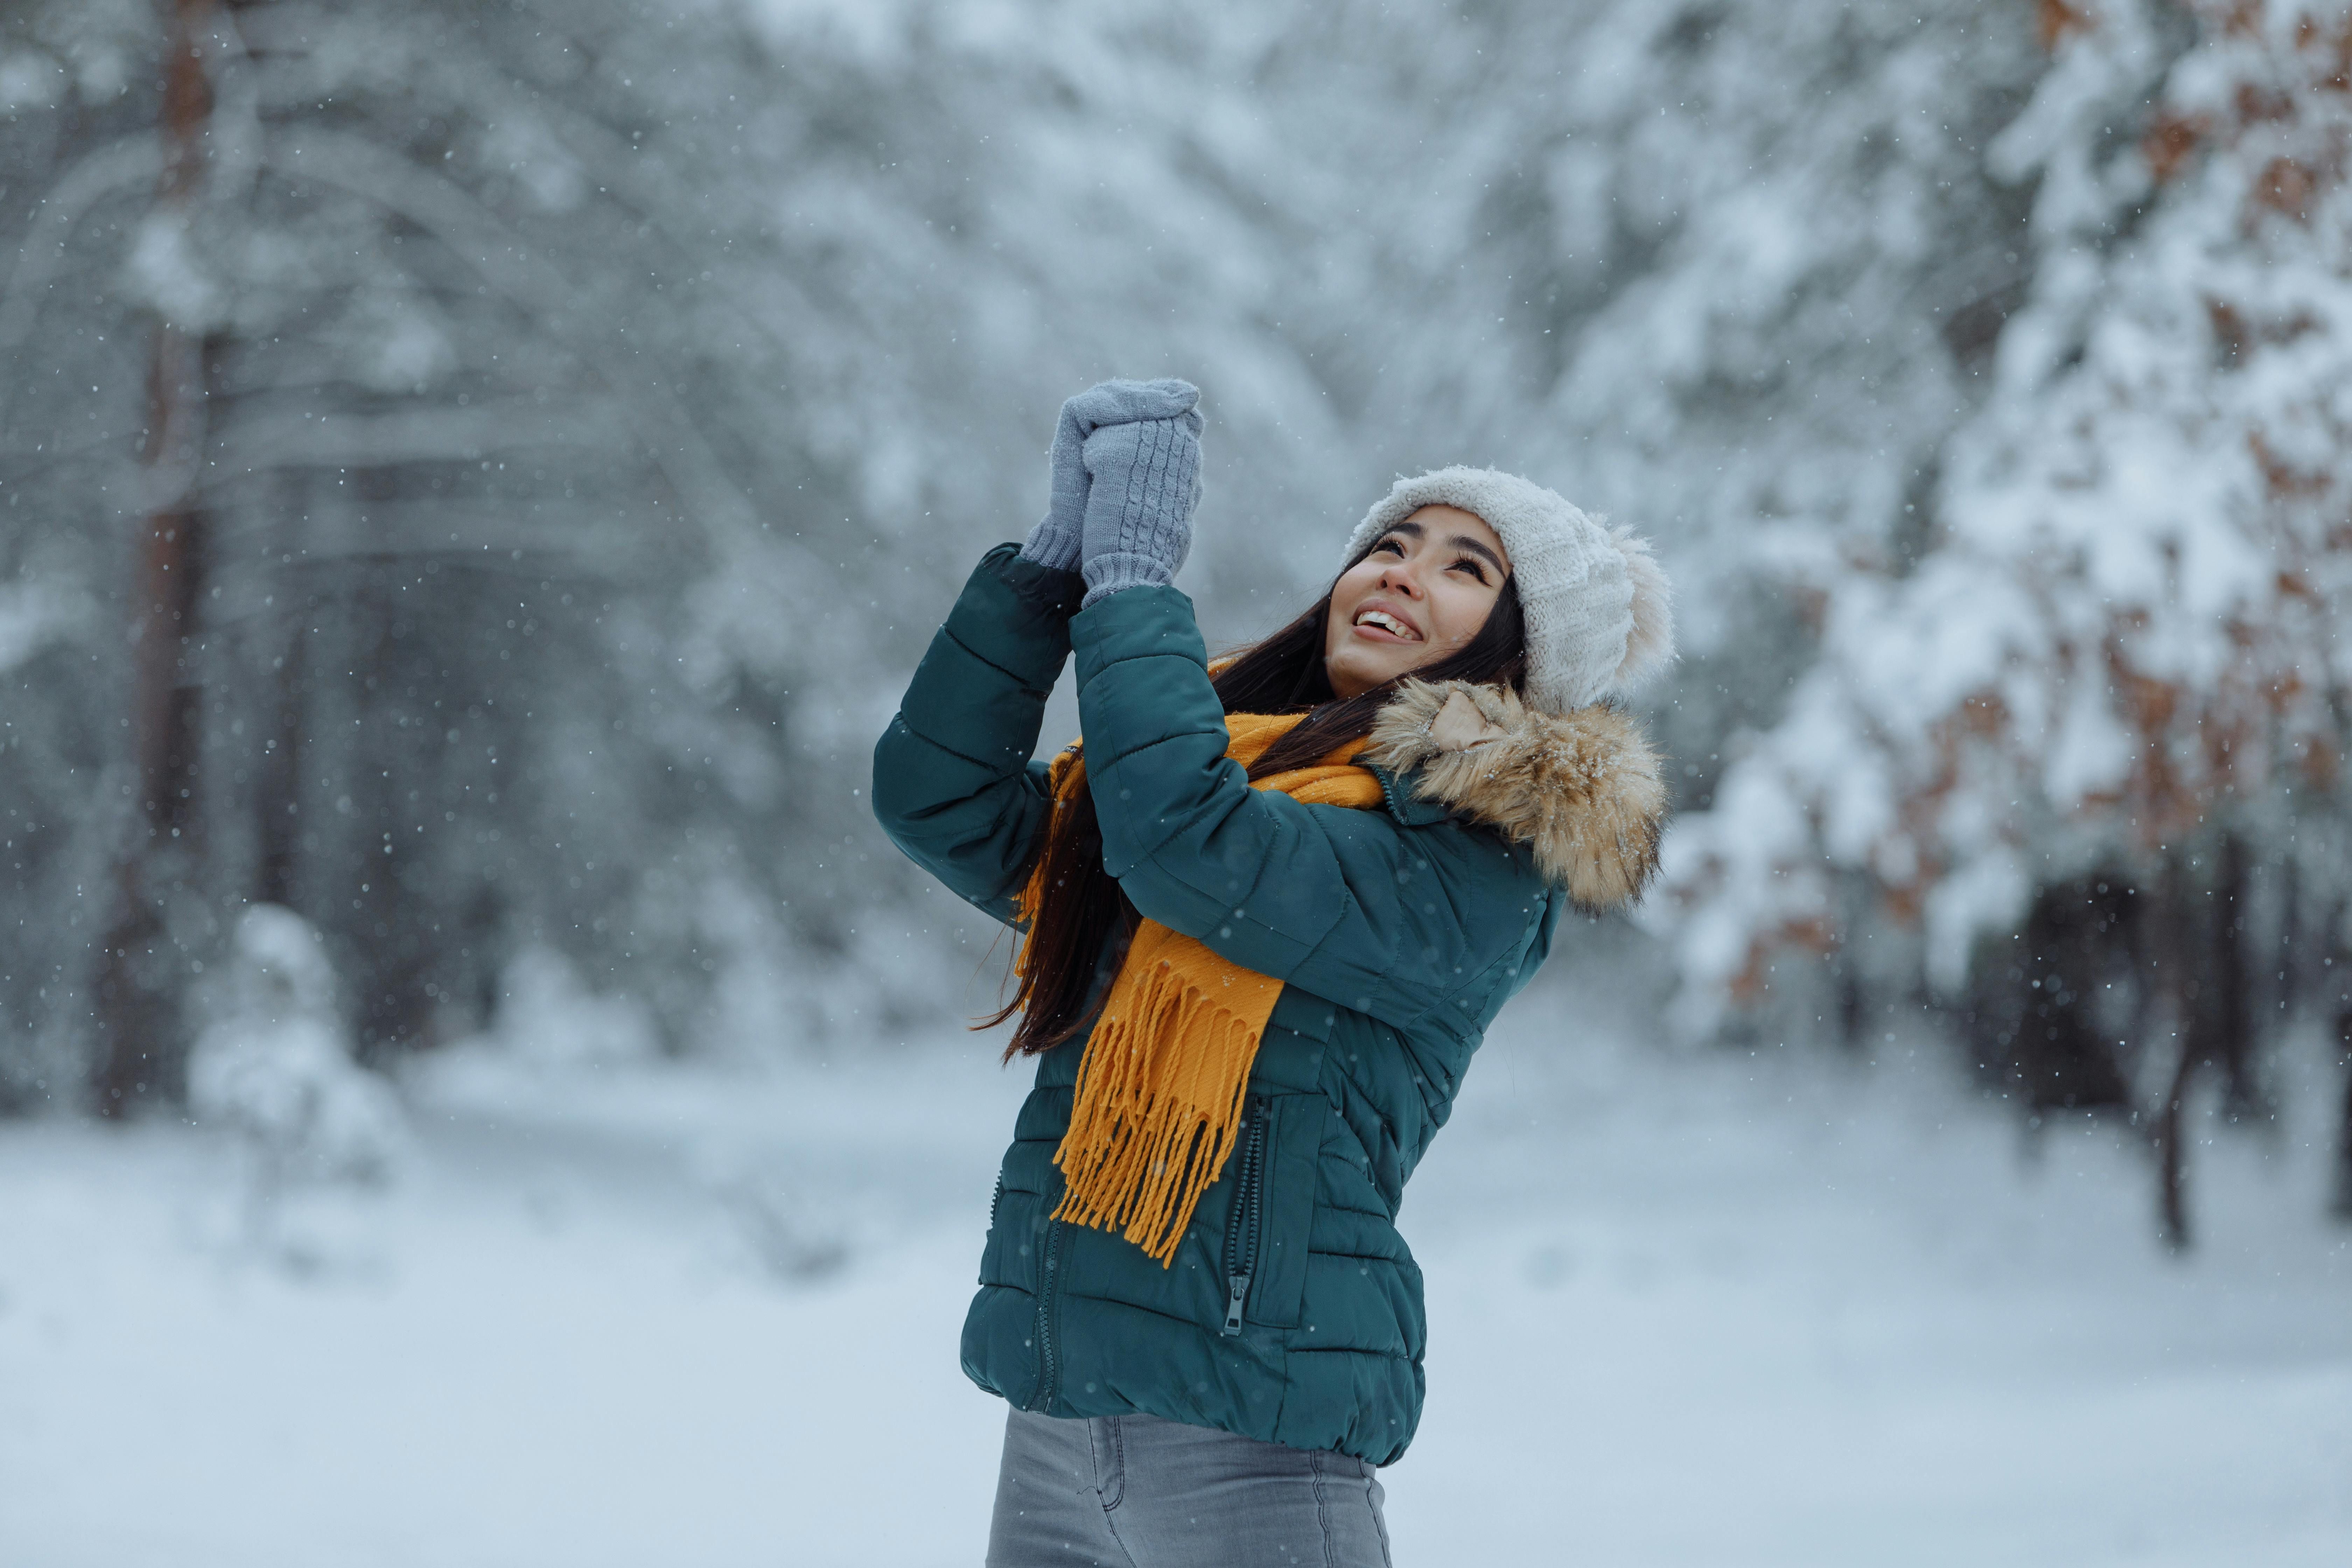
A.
pixel 2230 1037
pixel 2341 1205
pixel 278 791
pixel 2177 1003
pixel 2171 1158
pixel 2293 958
pixel 140 972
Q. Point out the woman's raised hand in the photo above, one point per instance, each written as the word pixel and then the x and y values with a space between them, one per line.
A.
pixel 1143 478
pixel 1059 540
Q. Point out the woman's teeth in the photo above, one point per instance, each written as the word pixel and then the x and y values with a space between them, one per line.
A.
pixel 1387 623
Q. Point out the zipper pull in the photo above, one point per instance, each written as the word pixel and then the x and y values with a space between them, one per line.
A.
pixel 1238 1285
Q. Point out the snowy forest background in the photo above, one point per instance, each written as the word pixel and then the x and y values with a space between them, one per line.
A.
pixel 478 475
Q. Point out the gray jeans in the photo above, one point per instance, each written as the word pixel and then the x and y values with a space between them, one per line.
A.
pixel 1135 1491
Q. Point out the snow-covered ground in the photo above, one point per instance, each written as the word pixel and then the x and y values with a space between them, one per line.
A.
pixel 1687 1310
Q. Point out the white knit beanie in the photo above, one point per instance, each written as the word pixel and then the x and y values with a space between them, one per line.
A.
pixel 1600 613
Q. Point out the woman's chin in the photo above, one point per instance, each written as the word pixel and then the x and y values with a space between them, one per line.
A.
pixel 1353 676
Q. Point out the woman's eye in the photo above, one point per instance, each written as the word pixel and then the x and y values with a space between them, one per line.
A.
pixel 1389 544
pixel 1470 564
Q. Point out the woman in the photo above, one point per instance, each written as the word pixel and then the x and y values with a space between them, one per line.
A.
pixel 1270 908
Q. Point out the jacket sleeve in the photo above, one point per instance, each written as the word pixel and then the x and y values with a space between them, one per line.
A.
pixel 953 783
pixel 1411 925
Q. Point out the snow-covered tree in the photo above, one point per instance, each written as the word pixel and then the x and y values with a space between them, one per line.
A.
pixel 2065 747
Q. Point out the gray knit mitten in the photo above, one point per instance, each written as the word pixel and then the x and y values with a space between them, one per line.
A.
pixel 1057 540
pixel 1145 481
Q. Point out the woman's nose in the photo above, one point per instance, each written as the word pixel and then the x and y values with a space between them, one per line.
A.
pixel 1398 575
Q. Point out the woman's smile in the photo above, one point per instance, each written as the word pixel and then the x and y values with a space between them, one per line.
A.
pixel 1386 623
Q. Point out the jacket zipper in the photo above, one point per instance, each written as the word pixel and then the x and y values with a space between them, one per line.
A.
pixel 1048 1375
pixel 1242 1238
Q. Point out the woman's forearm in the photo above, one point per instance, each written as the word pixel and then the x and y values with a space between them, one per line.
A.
pixel 953 785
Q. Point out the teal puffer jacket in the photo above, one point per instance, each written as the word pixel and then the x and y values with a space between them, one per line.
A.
pixel 1292 1313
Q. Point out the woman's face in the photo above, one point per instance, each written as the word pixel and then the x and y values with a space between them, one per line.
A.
pixel 1422 592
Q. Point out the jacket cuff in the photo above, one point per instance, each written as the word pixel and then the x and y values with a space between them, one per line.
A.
pixel 1048 589
pixel 1141 622
pixel 1016 615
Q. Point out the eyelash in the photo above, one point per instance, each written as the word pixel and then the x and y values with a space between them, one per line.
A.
pixel 1477 568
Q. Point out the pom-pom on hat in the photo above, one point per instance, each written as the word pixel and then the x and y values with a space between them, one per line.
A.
pixel 1599 612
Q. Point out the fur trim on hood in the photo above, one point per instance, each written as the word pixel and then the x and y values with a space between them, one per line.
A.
pixel 1581 789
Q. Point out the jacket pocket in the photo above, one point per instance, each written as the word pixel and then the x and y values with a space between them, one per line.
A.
pixel 1015 1240
pixel 1294 1152
pixel 991 1259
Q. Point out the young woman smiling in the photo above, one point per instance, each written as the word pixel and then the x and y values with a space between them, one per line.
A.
pixel 1270 906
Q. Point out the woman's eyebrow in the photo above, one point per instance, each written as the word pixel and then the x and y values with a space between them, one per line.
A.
pixel 1464 542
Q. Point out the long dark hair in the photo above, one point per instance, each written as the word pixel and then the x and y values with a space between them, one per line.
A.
pixel 1083 906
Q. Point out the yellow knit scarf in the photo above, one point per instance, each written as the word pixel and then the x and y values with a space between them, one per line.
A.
pixel 1160 1086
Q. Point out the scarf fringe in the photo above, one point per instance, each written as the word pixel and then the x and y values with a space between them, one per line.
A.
pixel 1140 1152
